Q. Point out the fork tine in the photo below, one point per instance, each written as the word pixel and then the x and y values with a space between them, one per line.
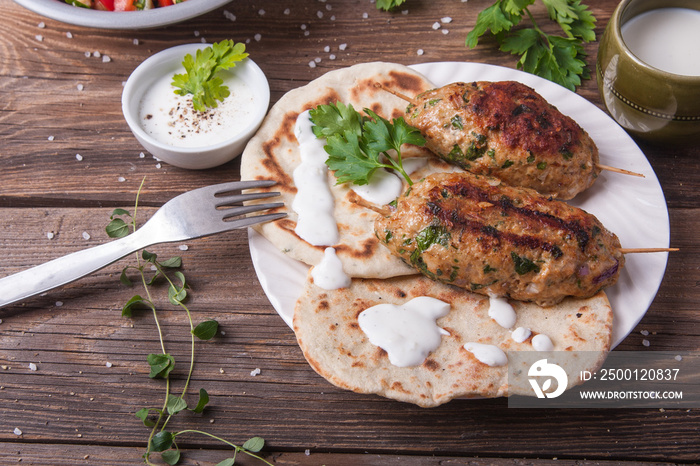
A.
pixel 248 221
pixel 227 200
pixel 242 185
pixel 243 210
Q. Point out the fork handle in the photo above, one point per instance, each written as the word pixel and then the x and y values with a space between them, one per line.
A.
pixel 68 268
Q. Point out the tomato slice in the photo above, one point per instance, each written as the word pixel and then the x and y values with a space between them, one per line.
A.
pixel 124 5
pixel 165 2
pixel 107 5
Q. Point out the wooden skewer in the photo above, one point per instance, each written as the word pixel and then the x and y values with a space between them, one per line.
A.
pixel 644 250
pixel 357 199
pixel 619 170
pixel 599 165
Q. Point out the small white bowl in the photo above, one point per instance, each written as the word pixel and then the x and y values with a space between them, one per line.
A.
pixel 169 62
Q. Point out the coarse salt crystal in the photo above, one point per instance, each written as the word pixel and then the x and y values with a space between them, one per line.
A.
pixel 50 235
pixel 96 54
pixel 121 179
pixel 303 27
pixel 51 138
pixel 436 25
pixel 327 48
pixel 78 157
pixel 317 59
pixel 17 431
pixel 365 15
pixel 445 32
pixel 446 19
pixel 88 54
pixel 196 33
pixel 312 64
pixel 80 87
pixel 287 11
pixel 261 12
pixel 108 364
pixel 342 47
pixel 257 37
pixel 307 452
pixel 230 16
pixel 32 366
pixel 41 25
pixel 644 332
pixel 646 342
pixel 142 155
pixel 158 165
pixel 255 372
pixel 331 56
pixel 86 235
pixel 136 42
pixel 184 247
pixel 319 14
pixel 59 303
pixel 419 52
pixel 69 35
pixel 677 358
pixel 39 37
pixel 106 59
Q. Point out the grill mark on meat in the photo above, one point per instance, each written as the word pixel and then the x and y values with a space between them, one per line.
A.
pixel 438 206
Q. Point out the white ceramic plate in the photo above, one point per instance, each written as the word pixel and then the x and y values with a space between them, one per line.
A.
pixel 633 208
pixel 157 17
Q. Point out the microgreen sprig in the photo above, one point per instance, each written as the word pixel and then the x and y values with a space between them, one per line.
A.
pixel 160 440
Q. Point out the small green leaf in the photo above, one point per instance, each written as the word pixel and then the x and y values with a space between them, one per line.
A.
pixel 175 296
pixel 161 365
pixel 206 330
pixel 388 5
pixel 118 212
pixel 162 441
pixel 143 415
pixel 175 404
pixel 133 302
pixel 172 263
pixel 149 256
pixel 203 401
pixel 226 462
pixel 254 444
pixel 171 457
pixel 117 228
pixel 124 278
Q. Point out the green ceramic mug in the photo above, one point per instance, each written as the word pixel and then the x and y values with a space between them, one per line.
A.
pixel 648 102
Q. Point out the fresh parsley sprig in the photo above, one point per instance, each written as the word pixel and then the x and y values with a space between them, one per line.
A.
pixel 560 59
pixel 357 145
pixel 162 364
pixel 200 78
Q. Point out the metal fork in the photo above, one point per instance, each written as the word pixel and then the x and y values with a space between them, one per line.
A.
pixel 200 212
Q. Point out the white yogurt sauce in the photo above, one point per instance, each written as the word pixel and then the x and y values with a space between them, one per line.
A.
pixel 171 119
pixel 408 332
pixel 502 312
pixel 329 274
pixel 542 342
pixel 383 188
pixel 313 202
pixel 491 355
pixel 666 38
pixel 520 334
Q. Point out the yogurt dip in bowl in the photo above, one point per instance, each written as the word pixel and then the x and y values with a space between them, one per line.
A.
pixel 168 126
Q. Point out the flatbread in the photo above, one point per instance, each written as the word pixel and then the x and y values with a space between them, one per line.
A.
pixel 273 153
pixel 327 330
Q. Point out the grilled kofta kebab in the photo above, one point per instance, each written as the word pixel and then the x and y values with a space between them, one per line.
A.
pixel 477 233
pixel 507 130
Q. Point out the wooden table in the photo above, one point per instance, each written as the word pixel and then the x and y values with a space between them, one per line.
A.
pixel 58 99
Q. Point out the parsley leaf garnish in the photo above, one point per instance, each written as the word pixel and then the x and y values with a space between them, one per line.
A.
pixel 560 59
pixel 358 145
pixel 200 78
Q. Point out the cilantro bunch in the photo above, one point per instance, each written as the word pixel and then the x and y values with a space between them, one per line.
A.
pixel 560 59
pixel 200 78
pixel 357 145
